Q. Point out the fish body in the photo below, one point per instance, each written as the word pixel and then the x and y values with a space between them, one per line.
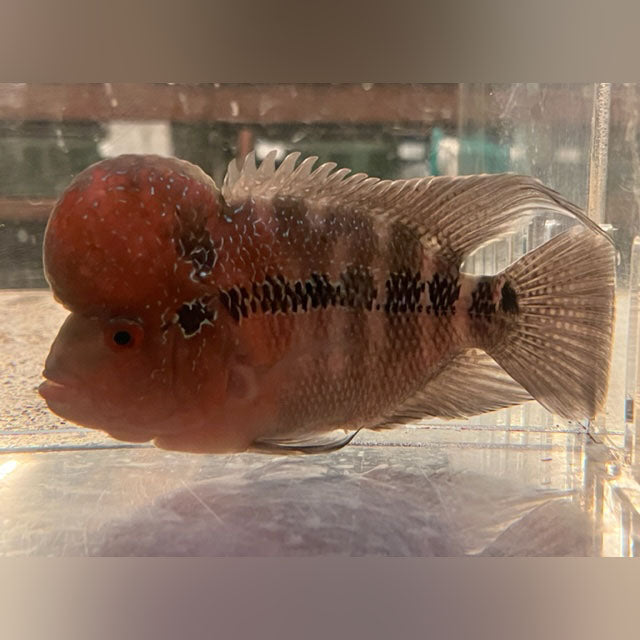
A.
pixel 294 305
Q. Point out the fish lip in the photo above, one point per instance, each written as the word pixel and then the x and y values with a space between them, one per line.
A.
pixel 50 384
pixel 57 387
pixel 59 397
pixel 53 390
pixel 58 380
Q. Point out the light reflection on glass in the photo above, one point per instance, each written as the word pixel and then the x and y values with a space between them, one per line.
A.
pixel 7 467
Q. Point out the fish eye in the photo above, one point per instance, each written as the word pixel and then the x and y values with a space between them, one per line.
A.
pixel 123 334
pixel 122 338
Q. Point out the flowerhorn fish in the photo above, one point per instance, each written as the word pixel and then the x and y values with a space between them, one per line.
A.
pixel 295 306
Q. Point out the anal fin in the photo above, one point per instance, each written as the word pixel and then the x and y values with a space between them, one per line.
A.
pixel 471 384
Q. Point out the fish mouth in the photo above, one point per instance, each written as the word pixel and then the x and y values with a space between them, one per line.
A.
pixel 56 387
pixel 54 391
pixel 64 398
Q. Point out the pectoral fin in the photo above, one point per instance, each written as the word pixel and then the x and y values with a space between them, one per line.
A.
pixel 308 443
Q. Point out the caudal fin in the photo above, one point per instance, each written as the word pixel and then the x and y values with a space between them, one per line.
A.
pixel 559 346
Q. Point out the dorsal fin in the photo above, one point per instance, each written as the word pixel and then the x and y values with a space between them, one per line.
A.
pixel 308 443
pixel 471 384
pixel 455 214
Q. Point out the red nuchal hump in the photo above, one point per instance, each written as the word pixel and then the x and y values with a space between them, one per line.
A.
pixel 114 239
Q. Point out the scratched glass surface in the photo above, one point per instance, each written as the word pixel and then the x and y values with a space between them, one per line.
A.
pixel 520 481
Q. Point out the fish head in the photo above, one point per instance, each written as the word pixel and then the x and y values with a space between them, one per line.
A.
pixel 139 384
pixel 130 250
pixel 106 375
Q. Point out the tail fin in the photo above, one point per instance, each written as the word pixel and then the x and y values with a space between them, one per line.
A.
pixel 559 345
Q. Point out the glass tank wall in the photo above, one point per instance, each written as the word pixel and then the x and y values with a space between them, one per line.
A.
pixel 520 481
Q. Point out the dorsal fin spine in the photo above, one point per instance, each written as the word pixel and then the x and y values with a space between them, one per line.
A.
pixel 460 213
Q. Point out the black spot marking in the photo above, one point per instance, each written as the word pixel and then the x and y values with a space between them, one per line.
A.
pixel 267 296
pixel 238 298
pixel 320 290
pixel 279 302
pixel 482 304
pixel 192 315
pixel 404 290
pixel 443 294
pixel 356 289
pixel 509 299
pixel 301 295
pixel 195 244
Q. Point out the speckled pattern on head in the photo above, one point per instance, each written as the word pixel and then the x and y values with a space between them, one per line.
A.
pixel 129 232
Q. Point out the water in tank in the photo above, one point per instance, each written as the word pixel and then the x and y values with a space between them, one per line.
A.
pixel 518 481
